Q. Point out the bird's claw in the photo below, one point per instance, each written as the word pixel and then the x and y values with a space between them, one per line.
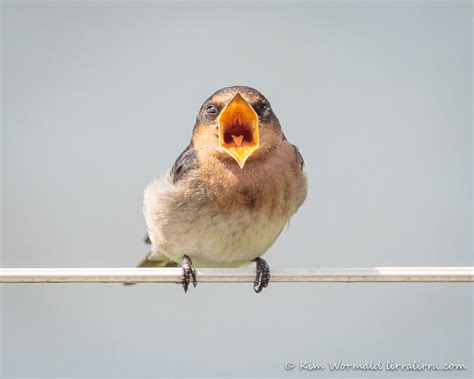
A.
pixel 188 273
pixel 263 275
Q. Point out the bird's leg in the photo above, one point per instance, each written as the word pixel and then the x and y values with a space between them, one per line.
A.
pixel 188 273
pixel 263 275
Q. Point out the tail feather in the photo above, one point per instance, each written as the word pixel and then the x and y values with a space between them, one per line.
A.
pixel 147 262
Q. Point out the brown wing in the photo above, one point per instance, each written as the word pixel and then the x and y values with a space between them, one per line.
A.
pixel 299 157
pixel 186 161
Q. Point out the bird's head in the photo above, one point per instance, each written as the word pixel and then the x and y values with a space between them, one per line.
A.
pixel 237 123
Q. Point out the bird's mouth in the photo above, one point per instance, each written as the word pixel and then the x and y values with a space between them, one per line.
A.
pixel 238 129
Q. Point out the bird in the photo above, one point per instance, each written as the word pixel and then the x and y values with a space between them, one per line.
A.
pixel 229 194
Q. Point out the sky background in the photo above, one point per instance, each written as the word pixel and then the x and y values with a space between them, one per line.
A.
pixel 99 98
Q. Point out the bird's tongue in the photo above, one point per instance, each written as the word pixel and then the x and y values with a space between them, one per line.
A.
pixel 237 140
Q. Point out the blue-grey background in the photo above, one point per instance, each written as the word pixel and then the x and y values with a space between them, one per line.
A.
pixel 98 98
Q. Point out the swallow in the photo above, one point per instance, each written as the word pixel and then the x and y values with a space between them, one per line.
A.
pixel 230 192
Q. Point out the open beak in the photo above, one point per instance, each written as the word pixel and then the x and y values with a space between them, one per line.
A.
pixel 238 129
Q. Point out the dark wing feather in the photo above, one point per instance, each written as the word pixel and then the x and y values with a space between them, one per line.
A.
pixel 186 161
pixel 299 157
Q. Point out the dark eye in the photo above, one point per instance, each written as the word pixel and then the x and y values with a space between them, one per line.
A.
pixel 211 109
pixel 262 109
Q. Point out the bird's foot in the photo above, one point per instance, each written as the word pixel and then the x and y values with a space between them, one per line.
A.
pixel 263 275
pixel 188 273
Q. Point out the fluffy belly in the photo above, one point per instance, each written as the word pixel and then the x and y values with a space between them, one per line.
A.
pixel 219 240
